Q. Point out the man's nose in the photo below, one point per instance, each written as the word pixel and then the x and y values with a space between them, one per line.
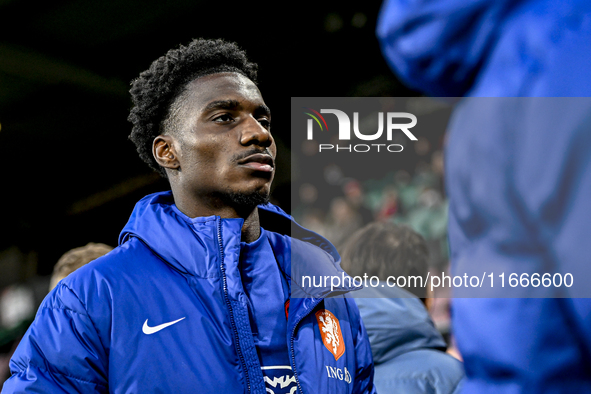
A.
pixel 254 133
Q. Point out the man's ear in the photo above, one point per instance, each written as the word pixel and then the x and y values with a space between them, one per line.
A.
pixel 164 152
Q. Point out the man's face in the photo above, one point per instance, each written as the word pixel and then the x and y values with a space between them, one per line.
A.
pixel 224 145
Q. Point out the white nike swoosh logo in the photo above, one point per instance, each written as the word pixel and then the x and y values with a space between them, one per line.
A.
pixel 151 330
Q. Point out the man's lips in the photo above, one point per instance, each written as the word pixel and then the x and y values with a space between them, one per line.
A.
pixel 259 162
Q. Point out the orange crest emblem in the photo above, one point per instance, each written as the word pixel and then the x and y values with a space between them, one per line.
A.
pixel 330 331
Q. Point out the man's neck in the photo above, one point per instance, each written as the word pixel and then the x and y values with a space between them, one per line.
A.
pixel 251 229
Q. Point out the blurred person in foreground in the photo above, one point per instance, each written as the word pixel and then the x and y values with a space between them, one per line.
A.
pixel 408 351
pixel 68 263
pixel 76 258
pixel 518 174
pixel 198 295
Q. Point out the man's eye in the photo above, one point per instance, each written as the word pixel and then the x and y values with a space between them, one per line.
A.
pixel 266 123
pixel 223 118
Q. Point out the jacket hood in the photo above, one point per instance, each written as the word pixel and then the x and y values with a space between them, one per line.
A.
pixel 396 322
pixel 159 224
pixel 438 46
pixel 489 48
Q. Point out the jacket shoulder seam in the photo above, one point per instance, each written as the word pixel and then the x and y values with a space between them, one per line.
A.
pixel 31 363
pixel 87 314
pixel 63 308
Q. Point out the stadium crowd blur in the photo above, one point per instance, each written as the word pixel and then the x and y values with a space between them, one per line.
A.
pixel 339 200
pixel 415 198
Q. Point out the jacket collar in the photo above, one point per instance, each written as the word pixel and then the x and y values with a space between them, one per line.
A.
pixel 182 242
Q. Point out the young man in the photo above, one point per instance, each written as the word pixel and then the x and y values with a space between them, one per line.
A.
pixel 199 296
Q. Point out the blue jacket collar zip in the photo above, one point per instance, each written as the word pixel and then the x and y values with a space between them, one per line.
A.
pixel 219 241
pixel 294 253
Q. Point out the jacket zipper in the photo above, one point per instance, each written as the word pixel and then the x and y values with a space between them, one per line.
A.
pixel 295 373
pixel 228 304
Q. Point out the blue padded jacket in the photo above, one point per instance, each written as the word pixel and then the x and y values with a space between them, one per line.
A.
pixel 90 336
pixel 518 173
pixel 408 351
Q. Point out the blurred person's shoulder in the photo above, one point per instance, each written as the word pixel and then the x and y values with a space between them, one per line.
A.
pixel 420 371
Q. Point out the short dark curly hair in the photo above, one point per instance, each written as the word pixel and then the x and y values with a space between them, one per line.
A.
pixel 157 89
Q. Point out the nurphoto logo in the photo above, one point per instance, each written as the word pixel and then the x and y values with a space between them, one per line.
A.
pixel 394 122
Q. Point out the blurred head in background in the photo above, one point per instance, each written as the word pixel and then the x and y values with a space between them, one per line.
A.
pixel 384 249
pixel 76 258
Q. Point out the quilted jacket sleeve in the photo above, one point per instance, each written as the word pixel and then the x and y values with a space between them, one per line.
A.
pixel 365 369
pixel 61 352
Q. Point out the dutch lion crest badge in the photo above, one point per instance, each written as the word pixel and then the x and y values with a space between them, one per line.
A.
pixel 330 331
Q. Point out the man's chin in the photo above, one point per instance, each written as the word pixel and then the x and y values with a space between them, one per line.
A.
pixel 247 201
